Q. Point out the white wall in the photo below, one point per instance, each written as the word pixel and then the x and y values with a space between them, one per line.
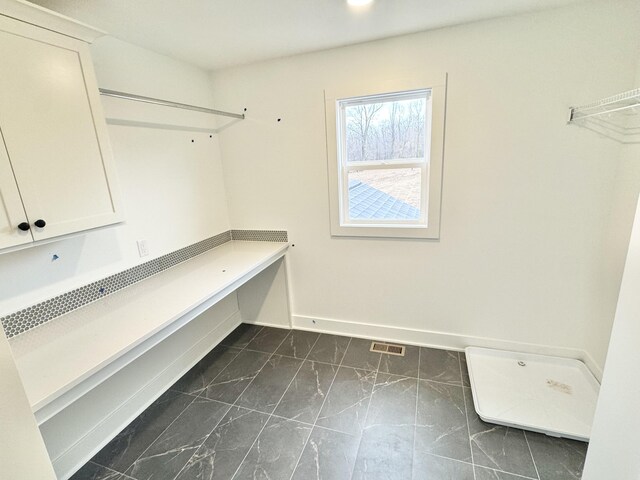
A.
pixel 627 188
pixel 22 451
pixel 526 198
pixel 173 189
pixel 613 451
pixel 617 411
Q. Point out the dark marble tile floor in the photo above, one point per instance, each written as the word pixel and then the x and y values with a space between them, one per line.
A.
pixel 279 405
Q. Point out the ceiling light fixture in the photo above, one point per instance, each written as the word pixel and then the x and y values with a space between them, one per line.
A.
pixel 359 3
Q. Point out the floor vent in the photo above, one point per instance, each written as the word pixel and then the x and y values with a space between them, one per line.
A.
pixel 387 348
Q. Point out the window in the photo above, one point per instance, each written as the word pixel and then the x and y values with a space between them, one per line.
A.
pixel 385 163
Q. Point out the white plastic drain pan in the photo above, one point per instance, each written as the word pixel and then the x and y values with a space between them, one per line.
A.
pixel 551 395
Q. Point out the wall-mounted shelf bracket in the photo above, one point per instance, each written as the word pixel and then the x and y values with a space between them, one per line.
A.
pixel 616 117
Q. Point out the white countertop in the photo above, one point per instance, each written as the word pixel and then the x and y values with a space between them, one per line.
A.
pixel 60 354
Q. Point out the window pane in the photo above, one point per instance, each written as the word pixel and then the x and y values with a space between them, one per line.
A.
pixel 385 194
pixel 385 130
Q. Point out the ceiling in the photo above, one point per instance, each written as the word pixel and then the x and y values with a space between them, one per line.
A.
pixel 215 34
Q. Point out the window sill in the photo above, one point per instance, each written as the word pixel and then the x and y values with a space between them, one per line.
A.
pixel 386 231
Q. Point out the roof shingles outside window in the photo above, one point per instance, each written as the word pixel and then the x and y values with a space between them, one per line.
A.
pixel 366 202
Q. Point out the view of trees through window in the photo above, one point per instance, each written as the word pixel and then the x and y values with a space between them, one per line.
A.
pixel 387 129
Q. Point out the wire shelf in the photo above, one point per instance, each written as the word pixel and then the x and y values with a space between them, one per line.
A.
pixel 616 117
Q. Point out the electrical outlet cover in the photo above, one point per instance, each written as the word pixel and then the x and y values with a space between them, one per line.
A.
pixel 143 248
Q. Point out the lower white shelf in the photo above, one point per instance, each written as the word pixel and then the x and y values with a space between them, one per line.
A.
pixel 63 359
pixel 551 395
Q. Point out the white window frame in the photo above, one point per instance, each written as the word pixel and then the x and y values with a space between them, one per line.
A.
pixel 428 225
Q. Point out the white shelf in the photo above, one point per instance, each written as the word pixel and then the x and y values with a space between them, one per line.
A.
pixel 616 117
pixel 64 358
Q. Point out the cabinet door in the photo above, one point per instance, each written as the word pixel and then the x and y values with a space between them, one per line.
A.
pixel 54 131
pixel 11 210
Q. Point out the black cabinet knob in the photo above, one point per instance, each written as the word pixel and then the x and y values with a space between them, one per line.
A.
pixel 40 223
pixel 24 226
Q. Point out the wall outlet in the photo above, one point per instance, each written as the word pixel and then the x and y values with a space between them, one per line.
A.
pixel 143 248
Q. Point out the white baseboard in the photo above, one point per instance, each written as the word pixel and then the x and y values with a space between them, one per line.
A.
pixel 182 354
pixel 267 324
pixel 442 340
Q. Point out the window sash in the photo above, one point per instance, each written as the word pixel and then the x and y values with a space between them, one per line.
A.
pixel 345 167
pixel 421 222
pixel 388 164
pixel 423 93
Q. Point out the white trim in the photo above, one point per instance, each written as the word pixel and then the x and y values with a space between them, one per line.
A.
pixel 268 324
pixel 432 169
pixel 44 18
pixel 288 289
pixel 434 339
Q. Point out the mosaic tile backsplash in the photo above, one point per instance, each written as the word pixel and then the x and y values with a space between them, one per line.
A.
pixel 260 235
pixel 28 318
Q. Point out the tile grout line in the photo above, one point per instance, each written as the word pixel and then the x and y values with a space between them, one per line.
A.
pixel 358 368
pixel 200 393
pixel 120 474
pixel 508 473
pixel 271 355
pixel 415 416
pixel 151 443
pixel 195 397
pixel 531 453
pixel 340 365
pixel 280 416
pixel 366 416
pixel 231 406
pixel 234 404
pixel 270 415
pixel 480 466
pixel 466 416
pixel 285 392
pixel 203 442
pixel 315 421
pixel 248 341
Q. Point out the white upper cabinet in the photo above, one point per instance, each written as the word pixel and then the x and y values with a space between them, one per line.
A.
pixel 55 163
pixel 14 228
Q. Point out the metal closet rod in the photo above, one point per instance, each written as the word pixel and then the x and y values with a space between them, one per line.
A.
pixel 167 103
